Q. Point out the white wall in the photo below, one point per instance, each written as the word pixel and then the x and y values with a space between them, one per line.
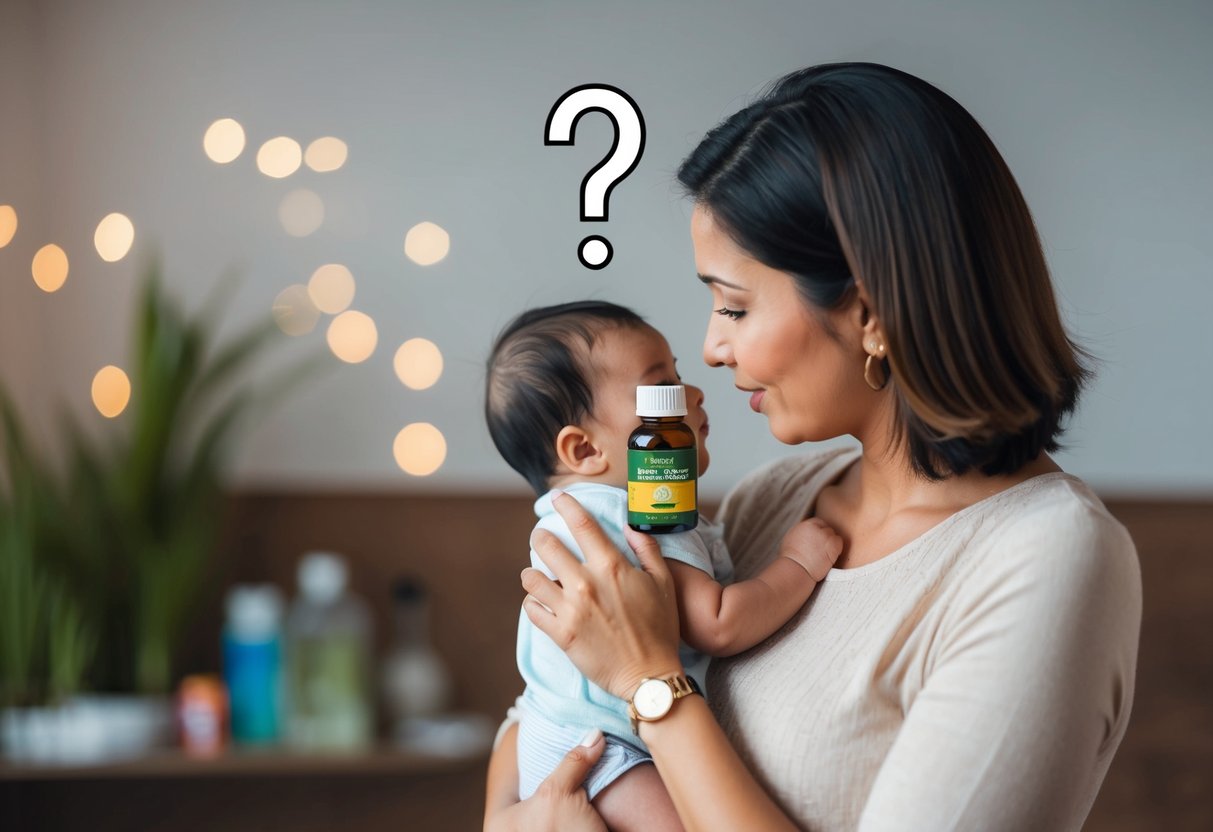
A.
pixel 1101 108
pixel 20 336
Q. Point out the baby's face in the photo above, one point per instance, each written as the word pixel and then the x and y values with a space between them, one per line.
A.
pixel 622 359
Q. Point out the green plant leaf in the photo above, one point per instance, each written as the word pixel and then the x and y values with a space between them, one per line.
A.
pixel 100 568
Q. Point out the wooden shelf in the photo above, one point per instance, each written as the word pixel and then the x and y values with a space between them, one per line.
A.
pixel 276 762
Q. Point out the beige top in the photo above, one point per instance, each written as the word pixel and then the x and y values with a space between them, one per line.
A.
pixel 979 677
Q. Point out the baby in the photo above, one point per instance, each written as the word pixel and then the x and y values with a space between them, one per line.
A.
pixel 560 404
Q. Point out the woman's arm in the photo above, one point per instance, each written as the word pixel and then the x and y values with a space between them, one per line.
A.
pixel 1028 690
pixel 619 625
pixel 709 784
pixel 501 790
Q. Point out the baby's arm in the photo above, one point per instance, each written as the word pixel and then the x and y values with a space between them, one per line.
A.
pixel 724 620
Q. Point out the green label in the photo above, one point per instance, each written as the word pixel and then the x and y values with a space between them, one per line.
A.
pixel 663 487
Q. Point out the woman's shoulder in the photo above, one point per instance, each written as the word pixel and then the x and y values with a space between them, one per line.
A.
pixel 1058 505
pixel 1054 529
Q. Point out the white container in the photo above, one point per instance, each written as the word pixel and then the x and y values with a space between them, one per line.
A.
pixel 87 730
pixel 415 681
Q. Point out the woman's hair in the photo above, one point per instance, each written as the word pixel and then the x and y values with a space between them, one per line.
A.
pixel 537 380
pixel 855 172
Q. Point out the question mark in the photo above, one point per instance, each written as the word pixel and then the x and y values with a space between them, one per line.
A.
pixel 595 251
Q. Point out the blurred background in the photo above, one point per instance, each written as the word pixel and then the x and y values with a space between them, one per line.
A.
pixel 252 258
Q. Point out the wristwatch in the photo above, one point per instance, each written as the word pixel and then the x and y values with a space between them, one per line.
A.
pixel 654 698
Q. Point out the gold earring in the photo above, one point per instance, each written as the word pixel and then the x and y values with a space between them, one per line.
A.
pixel 873 368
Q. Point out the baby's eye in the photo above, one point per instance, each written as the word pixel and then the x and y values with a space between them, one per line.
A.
pixel 732 314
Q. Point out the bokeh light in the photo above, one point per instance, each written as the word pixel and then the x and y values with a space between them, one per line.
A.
pixel 111 391
pixel 418 363
pixel 294 311
pixel 326 154
pixel 301 212
pixel 114 237
pixel 352 336
pixel 420 449
pixel 279 157
pixel 224 141
pixel 50 268
pixel 426 243
pixel 8 224
pixel 331 288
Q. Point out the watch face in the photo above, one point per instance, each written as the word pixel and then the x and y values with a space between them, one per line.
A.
pixel 653 699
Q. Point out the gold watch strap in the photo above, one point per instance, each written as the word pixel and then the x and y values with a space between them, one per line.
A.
pixel 681 684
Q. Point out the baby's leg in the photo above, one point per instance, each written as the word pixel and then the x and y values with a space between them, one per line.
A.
pixel 638 802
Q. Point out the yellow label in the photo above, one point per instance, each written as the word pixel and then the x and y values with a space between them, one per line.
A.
pixel 661 497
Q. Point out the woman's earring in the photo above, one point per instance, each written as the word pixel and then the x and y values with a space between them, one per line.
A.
pixel 873 368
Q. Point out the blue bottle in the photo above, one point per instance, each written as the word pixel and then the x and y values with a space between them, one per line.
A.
pixel 252 663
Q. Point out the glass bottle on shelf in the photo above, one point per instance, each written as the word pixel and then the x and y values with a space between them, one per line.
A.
pixel 328 640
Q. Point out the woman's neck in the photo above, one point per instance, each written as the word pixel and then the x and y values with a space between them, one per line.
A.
pixel 878 504
pixel 883 482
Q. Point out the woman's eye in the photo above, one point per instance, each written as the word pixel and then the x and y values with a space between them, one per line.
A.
pixel 732 314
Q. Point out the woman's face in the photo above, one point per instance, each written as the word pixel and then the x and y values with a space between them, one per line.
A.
pixel 808 385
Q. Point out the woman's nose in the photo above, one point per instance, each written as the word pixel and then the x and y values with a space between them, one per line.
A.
pixel 716 350
pixel 697 397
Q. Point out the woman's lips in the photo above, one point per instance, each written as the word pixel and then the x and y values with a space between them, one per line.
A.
pixel 756 400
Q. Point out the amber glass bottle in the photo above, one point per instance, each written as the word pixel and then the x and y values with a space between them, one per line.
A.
pixel 663 464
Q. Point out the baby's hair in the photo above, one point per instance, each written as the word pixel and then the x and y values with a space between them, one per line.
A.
pixel 537 381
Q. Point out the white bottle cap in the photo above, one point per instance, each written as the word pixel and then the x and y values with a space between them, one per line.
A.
pixel 253 611
pixel 661 400
pixel 322 576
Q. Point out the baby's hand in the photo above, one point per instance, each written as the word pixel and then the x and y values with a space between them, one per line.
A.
pixel 813 545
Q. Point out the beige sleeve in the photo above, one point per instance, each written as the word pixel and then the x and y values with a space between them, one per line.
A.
pixel 1027 692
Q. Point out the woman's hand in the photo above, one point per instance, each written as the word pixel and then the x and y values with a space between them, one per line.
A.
pixel 560 803
pixel 616 623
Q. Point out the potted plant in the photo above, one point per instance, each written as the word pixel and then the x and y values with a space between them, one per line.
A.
pixel 101 564
pixel 45 643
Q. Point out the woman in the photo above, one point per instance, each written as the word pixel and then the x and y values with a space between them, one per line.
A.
pixel 969 662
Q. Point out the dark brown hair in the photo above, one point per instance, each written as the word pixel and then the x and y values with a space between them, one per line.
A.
pixel 859 172
pixel 538 380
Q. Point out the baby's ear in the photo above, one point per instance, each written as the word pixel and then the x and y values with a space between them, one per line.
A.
pixel 576 452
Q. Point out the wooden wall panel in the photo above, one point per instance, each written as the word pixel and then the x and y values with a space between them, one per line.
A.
pixel 470 549
pixel 1162 777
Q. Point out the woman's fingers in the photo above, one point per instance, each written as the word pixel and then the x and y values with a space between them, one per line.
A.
pixel 543 619
pixel 560 804
pixel 541 588
pixel 595 545
pixel 544 595
pixel 649 554
pixel 568 776
pixel 555 555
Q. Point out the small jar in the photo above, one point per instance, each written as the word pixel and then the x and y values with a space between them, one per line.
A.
pixel 663 463
pixel 202 715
